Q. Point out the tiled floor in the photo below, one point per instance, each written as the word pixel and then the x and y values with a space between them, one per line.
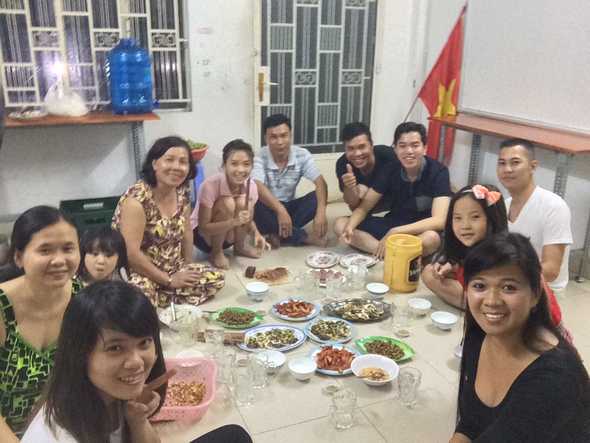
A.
pixel 293 411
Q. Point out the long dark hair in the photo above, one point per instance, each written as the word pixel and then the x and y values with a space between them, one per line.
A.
pixel 515 249
pixel 104 239
pixel 158 149
pixel 72 401
pixel 26 225
pixel 497 221
pixel 512 249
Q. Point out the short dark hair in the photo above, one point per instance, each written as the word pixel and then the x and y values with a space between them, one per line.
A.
pixel 512 249
pixel 511 142
pixel 497 221
pixel 72 401
pixel 237 145
pixel 157 150
pixel 352 130
pixel 26 225
pixel 104 239
pixel 275 120
pixel 405 127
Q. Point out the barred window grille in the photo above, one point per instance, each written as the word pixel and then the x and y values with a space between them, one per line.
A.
pixel 41 38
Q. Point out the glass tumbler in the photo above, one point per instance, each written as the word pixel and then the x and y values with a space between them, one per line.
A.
pixel 242 385
pixel 408 380
pixel 258 364
pixel 401 321
pixel 214 338
pixel 342 409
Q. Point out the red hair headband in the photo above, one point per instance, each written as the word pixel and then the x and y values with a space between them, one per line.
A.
pixel 481 192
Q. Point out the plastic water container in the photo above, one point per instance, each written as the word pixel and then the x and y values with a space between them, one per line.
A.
pixel 130 73
pixel 401 269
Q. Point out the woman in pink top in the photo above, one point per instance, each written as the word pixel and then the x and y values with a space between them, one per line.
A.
pixel 223 216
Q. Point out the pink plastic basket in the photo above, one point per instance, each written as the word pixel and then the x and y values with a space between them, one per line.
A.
pixel 197 369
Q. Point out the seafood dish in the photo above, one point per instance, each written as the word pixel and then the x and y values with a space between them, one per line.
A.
pixel 359 309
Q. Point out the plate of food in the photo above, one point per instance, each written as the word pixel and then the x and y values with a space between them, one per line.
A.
pixel 324 275
pixel 278 337
pixel 322 259
pixel 30 114
pixel 329 330
pixel 334 359
pixel 389 347
pixel 358 309
pixel 355 258
pixel 295 310
pixel 271 276
pixel 236 318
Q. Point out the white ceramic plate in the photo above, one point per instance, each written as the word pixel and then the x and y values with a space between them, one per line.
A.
pixel 317 339
pixel 315 352
pixel 322 259
pixel 354 258
pixel 299 335
pixel 316 310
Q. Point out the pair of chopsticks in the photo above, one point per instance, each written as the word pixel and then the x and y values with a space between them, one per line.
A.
pixel 248 193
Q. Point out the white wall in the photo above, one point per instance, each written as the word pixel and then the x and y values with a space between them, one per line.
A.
pixel 49 165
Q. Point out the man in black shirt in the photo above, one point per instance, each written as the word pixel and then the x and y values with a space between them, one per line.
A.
pixel 358 168
pixel 420 192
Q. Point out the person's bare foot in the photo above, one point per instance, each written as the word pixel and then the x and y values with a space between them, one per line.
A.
pixel 247 251
pixel 312 240
pixel 219 260
pixel 274 241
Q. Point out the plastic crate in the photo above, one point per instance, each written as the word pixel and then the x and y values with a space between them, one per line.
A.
pixel 196 369
pixel 90 212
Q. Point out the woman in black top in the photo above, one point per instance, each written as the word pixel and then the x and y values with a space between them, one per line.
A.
pixel 520 380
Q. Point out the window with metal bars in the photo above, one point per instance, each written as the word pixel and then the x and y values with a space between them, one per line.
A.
pixel 43 39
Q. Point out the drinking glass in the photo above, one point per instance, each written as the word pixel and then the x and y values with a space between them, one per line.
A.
pixel 342 409
pixel 356 276
pixel 258 364
pixel 242 385
pixel 408 380
pixel 187 325
pixel 401 321
pixel 214 338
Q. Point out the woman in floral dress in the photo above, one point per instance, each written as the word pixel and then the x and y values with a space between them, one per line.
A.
pixel 153 217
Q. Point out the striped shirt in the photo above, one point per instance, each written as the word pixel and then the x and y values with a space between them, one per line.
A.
pixel 282 183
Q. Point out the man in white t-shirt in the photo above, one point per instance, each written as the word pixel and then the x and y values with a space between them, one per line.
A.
pixel 539 214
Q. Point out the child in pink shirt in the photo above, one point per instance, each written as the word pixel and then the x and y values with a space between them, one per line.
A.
pixel 223 216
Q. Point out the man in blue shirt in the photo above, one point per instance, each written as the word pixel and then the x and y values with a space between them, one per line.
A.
pixel 420 192
pixel 277 172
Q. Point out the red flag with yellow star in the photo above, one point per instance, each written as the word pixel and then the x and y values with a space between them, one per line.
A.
pixel 440 91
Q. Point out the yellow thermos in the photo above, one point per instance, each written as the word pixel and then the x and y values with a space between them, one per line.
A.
pixel 401 270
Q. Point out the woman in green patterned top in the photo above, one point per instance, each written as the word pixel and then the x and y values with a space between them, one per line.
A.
pixel 34 294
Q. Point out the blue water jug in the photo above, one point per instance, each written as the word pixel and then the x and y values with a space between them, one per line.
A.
pixel 130 73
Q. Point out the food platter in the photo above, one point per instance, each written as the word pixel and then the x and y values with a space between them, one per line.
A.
pixel 329 330
pixel 322 259
pixel 354 258
pixel 262 333
pixel 271 276
pixel 405 351
pixel 316 352
pixel 358 310
pixel 294 304
pixel 224 318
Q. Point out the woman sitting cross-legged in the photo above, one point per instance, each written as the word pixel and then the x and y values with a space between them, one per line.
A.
pixel 225 208
pixel 35 291
pixel 154 218
pixel 521 380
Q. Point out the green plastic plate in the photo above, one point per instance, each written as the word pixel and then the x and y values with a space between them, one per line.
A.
pixel 255 321
pixel 408 351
